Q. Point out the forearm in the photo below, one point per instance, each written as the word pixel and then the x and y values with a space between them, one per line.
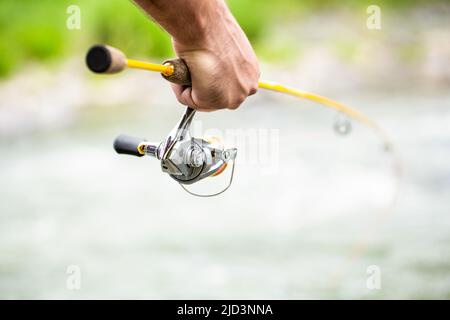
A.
pixel 224 69
pixel 189 21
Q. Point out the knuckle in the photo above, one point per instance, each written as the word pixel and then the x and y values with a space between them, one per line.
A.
pixel 253 89
pixel 236 101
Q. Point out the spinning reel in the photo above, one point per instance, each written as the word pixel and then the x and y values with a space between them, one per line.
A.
pixel 186 159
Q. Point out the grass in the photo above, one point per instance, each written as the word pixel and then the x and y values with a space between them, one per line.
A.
pixel 33 30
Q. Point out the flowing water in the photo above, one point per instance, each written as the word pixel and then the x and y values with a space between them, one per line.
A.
pixel 304 217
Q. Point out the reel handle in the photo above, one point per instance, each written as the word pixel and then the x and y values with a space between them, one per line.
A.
pixel 108 60
pixel 125 144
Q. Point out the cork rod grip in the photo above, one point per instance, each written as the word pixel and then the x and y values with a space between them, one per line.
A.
pixel 181 74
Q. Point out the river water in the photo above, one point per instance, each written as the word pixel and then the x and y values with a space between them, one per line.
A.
pixel 304 218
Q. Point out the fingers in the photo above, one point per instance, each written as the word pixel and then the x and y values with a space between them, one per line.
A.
pixel 210 99
pixel 184 96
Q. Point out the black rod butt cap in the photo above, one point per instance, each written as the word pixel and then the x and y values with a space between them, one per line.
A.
pixel 98 59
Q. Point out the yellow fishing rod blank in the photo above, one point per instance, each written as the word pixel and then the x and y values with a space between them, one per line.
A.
pixel 106 59
pixel 166 69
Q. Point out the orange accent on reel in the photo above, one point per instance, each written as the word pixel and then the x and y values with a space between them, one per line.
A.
pixel 218 141
pixel 221 169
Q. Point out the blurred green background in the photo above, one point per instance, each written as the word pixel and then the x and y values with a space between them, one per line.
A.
pixel 28 34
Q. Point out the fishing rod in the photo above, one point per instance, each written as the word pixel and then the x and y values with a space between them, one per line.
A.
pixel 187 159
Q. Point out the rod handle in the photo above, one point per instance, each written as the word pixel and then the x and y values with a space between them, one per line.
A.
pixel 125 144
pixel 181 74
pixel 106 59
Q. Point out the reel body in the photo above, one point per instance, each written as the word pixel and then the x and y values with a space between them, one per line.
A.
pixel 184 158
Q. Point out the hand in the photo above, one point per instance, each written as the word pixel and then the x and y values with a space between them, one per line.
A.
pixel 224 69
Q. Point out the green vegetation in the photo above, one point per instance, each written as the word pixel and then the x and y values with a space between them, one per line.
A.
pixel 36 30
pixel 33 30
